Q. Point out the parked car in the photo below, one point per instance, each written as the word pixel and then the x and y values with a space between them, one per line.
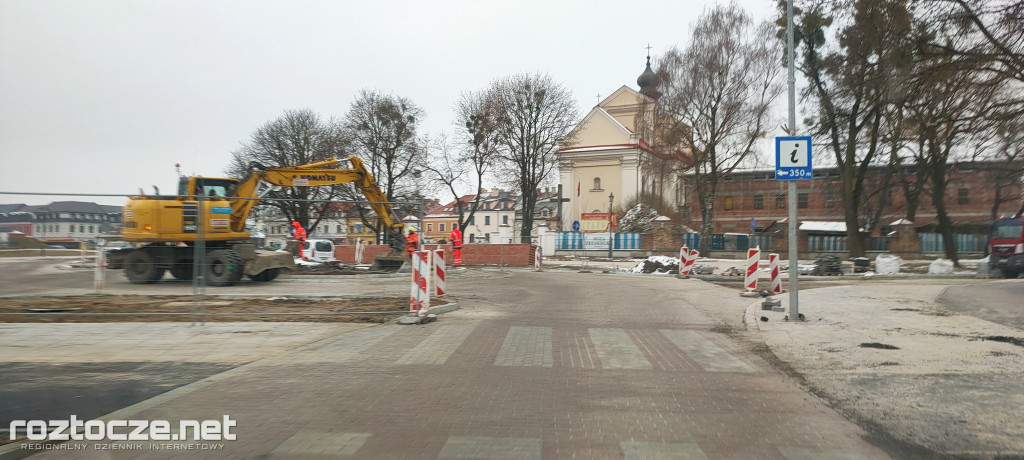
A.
pixel 318 250
pixel 117 245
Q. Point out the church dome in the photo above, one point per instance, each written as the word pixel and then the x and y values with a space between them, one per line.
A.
pixel 648 82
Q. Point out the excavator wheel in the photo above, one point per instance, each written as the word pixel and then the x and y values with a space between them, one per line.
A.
pixel 140 268
pixel 182 269
pixel 224 267
pixel 266 275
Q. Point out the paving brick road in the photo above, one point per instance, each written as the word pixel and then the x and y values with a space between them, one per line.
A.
pixel 534 365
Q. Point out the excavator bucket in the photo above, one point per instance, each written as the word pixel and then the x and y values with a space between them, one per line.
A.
pixel 390 261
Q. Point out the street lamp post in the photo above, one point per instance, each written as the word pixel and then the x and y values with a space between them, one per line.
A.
pixel 611 198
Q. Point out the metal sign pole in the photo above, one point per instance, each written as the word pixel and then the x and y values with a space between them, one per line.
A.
pixel 794 271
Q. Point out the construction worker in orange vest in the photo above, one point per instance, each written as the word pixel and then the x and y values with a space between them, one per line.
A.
pixel 300 237
pixel 412 241
pixel 456 237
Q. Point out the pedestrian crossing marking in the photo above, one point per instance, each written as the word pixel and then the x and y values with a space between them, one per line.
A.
pixel 706 353
pixel 526 346
pixel 489 447
pixel 616 350
pixel 661 451
pixel 439 346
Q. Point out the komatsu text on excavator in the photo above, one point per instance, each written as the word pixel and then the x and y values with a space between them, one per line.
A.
pixel 214 211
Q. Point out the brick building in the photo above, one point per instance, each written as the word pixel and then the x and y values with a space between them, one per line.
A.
pixel 755 194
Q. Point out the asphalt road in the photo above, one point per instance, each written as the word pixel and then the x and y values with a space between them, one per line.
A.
pixel 999 301
pixel 35 391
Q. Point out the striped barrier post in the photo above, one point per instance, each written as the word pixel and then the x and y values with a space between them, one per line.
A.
pixel 439 272
pixel 753 256
pixel 690 259
pixel 536 259
pixel 684 253
pixel 419 296
pixel 773 266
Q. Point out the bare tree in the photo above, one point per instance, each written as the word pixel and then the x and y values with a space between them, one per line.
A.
pixel 381 130
pixel 853 77
pixel 996 41
pixel 720 89
pixel 1006 166
pixel 476 110
pixel 298 137
pixel 953 103
pixel 533 115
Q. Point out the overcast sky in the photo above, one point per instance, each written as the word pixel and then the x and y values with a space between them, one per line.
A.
pixel 104 97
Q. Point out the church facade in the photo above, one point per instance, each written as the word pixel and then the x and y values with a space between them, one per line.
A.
pixel 615 154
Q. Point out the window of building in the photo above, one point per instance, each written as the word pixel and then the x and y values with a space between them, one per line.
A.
pixel 801 200
pixel 728 203
pixel 472 237
pixel 71 229
pixel 504 220
pixel 91 229
pixel 487 237
pixel 597 183
pixel 487 220
pixel 430 227
pixel 440 227
pixel 472 220
pixel 758 201
pixel 962 197
pixel 780 201
pixel 830 198
pixel 339 228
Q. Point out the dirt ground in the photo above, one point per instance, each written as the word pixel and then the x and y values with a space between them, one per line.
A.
pixel 123 308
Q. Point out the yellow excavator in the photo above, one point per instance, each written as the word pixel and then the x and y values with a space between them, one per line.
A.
pixel 213 212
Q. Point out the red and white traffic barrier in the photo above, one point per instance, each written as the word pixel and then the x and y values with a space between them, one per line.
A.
pixel 536 259
pixel 439 272
pixel 684 253
pixel 419 296
pixel 690 259
pixel 773 266
pixel 753 257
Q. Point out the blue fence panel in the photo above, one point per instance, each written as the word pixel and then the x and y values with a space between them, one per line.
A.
pixel 570 241
pixel 826 243
pixel 692 240
pixel 932 242
pixel 763 241
pixel 717 242
pixel 965 242
pixel 627 241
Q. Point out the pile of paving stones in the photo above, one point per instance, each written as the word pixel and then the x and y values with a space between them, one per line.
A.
pixel 828 266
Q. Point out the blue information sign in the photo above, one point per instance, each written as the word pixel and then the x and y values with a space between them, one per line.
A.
pixel 793 158
pixel 575 225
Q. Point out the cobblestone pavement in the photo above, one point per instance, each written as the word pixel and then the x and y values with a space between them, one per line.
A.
pixel 533 365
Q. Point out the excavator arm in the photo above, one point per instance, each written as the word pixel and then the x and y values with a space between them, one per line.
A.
pixel 246 194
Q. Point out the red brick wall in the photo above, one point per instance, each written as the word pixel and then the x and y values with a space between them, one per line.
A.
pixel 514 255
pixel 347 253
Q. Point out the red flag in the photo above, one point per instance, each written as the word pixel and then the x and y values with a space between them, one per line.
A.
pixel 579 186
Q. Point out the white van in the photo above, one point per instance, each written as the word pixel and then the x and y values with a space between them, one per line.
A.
pixel 318 250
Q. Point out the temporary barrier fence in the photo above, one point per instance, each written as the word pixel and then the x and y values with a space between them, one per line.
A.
pixel 419 296
pixel 753 257
pixel 773 266
pixel 690 259
pixel 440 272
